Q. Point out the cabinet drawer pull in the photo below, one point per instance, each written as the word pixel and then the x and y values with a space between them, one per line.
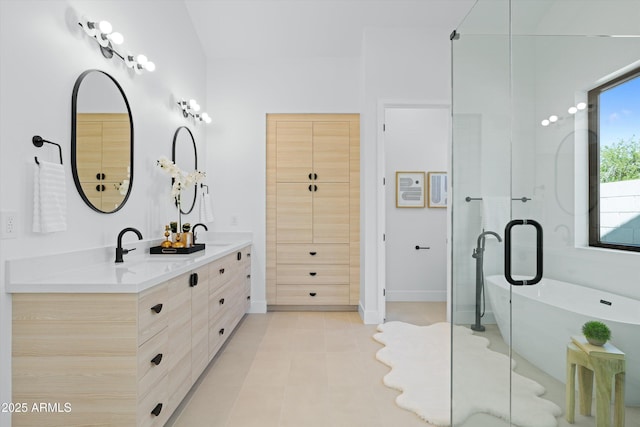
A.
pixel 315 176
pixel 193 280
pixel 248 254
pixel 221 301
pixel 249 297
pixel 248 276
pixel 313 294
pixel 239 256
pixel 315 188
pixel 221 331
pixel 310 176
pixel 313 273
pixel 156 411
pixel 100 176
pixel 310 187
pixel 157 308
pixel 314 253
pixel 222 271
pixel 100 187
pixel 156 360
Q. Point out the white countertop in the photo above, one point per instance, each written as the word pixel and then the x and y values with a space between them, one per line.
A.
pixel 94 271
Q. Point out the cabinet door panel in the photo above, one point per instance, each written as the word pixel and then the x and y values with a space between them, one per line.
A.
pixel 331 213
pixel 294 213
pixel 116 138
pixel 293 151
pixel 89 150
pixel 331 151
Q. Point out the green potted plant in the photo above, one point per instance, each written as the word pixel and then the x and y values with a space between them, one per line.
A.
pixel 597 333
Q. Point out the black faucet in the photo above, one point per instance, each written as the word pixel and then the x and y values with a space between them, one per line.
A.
pixel 119 250
pixel 193 230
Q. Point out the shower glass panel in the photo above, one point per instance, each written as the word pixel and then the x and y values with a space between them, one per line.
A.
pixel 518 153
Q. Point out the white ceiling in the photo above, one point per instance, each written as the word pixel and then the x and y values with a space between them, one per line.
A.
pixel 310 28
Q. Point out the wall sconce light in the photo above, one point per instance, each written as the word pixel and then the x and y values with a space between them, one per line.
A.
pixel 571 110
pixel 192 109
pixel 103 33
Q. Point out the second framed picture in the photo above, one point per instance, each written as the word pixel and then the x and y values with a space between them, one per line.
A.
pixel 437 182
pixel 410 189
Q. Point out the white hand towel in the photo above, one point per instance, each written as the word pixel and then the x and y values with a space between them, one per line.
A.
pixel 206 208
pixel 49 198
pixel 496 213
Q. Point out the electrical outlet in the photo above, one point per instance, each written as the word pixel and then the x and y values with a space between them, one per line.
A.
pixel 9 223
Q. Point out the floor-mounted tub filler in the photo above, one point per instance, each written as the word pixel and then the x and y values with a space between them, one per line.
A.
pixel 546 315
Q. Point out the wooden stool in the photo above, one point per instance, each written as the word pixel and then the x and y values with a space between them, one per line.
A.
pixel 608 365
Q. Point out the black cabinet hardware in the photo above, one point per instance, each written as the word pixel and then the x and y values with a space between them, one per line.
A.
pixel 221 331
pixel 156 360
pixel 313 294
pixel 313 253
pixel 157 308
pixel 193 280
pixel 310 176
pixel 156 411
pixel 100 187
pixel 239 256
pixel 249 297
pixel 421 247
pixel 221 301
pixel 248 276
pixel 100 176
pixel 222 271
pixel 312 273
pixel 310 187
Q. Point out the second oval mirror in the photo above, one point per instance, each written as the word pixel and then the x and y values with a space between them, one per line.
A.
pixel 185 155
pixel 101 141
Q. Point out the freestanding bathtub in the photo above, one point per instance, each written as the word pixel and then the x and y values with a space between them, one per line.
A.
pixel 547 314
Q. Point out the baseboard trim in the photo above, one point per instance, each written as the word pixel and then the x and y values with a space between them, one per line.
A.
pixel 417 296
pixel 312 308
pixel 371 317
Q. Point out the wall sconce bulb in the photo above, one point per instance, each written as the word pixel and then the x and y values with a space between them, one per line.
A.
pixel 581 105
pixel 105 27
pixel 142 59
pixel 553 118
pixel 116 38
pixel 572 110
pixel 150 66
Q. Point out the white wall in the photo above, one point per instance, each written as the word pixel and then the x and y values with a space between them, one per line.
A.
pixel 42 52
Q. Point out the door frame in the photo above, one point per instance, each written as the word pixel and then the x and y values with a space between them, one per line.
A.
pixel 383 105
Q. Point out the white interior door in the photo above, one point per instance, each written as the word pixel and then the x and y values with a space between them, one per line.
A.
pixel 415 141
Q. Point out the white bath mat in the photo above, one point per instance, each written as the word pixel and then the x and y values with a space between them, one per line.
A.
pixel 420 360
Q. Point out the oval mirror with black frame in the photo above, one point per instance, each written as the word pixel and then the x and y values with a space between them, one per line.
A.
pixel 184 154
pixel 101 141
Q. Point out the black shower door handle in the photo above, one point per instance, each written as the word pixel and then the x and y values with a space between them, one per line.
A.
pixel 507 252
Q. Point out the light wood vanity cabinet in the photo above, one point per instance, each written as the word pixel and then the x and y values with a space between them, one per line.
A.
pixel 313 209
pixel 123 359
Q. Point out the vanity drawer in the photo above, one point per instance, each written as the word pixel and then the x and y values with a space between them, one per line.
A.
pixel 152 312
pixel 152 358
pixel 219 331
pixel 312 295
pixel 221 301
pixel 156 401
pixel 220 272
pixel 312 274
pixel 312 253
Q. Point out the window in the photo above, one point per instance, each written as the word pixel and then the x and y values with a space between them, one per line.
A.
pixel 614 163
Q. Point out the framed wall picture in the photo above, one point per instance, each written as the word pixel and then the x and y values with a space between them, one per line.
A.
pixel 410 189
pixel 437 185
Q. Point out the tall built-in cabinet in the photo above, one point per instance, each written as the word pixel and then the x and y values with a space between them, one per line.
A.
pixel 123 359
pixel 313 209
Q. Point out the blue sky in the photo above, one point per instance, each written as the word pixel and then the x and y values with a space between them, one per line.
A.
pixel 620 112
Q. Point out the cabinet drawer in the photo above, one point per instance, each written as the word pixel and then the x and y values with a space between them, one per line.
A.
pixel 150 403
pixel 152 312
pixel 220 272
pixel 219 331
pixel 304 274
pixel 221 301
pixel 312 253
pixel 312 295
pixel 152 357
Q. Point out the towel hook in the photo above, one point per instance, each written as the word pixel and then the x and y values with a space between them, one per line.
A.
pixel 204 185
pixel 38 141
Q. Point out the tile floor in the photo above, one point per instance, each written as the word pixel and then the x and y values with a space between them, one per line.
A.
pixel 307 369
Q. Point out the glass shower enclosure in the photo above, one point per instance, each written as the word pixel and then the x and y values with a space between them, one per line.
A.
pixel 521 74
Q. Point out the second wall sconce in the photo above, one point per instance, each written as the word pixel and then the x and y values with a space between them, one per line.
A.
pixel 103 33
pixel 192 108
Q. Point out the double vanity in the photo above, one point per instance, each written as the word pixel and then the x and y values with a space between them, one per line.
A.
pixel 121 344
